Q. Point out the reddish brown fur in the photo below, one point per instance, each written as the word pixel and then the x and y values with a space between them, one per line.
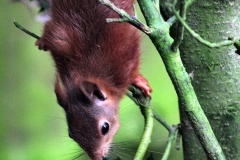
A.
pixel 94 59
pixel 78 28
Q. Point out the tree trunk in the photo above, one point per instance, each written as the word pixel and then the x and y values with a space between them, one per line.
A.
pixel 216 75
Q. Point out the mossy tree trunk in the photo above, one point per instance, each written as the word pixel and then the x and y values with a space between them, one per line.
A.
pixel 216 75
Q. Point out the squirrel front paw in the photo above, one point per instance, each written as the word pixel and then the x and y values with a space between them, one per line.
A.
pixel 142 83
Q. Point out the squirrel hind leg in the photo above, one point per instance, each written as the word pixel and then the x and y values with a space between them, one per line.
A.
pixel 142 83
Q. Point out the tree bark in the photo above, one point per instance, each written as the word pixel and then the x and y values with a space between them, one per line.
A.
pixel 216 75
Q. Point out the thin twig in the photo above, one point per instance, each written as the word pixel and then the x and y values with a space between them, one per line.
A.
pixel 25 30
pixel 172 130
pixel 163 122
pixel 198 37
pixel 144 103
pixel 173 19
pixel 180 27
pixel 171 138
pixel 125 17
pixel 178 139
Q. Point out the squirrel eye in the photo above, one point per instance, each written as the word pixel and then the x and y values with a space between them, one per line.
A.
pixel 105 128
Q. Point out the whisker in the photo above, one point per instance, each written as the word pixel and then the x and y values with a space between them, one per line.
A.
pixel 81 154
pixel 125 105
pixel 152 151
pixel 125 154
pixel 127 148
pixel 122 110
pixel 111 154
pixel 122 152
pixel 161 140
pixel 123 145
pixel 67 156
pixel 132 151
pixel 85 156
pixel 126 142
pixel 63 156
pixel 117 155
pixel 57 118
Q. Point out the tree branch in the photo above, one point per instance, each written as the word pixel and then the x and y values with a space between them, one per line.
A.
pixel 180 27
pixel 198 37
pixel 125 17
pixel 162 40
pixel 151 13
pixel 173 19
pixel 144 103
pixel 172 130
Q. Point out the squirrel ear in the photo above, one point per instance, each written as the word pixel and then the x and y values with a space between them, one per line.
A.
pixel 93 91
pixel 61 95
pixel 55 37
pixel 41 44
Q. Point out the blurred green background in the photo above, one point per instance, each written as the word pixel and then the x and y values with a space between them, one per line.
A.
pixel 33 126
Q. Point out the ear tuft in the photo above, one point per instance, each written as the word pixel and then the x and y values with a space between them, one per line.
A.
pixel 41 44
pixel 55 38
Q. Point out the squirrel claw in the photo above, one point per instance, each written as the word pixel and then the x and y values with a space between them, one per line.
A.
pixel 142 83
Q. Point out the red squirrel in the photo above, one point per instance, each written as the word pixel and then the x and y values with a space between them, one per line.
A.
pixel 96 62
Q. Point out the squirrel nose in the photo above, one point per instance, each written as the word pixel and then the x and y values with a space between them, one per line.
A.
pixel 104 154
pixel 105 157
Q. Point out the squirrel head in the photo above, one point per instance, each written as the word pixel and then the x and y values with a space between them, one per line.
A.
pixel 92 116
